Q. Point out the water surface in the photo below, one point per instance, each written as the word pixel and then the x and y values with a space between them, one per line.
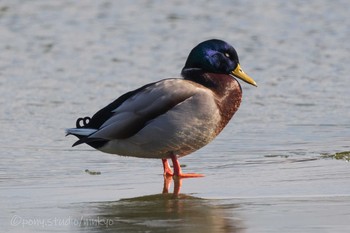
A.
pixel 265 173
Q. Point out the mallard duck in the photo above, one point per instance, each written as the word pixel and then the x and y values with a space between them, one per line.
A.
pixel 173 117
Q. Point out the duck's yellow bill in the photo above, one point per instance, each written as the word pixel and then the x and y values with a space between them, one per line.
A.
pixel 239 73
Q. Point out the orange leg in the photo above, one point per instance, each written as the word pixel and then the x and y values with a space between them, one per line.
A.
pixel 177 169
pixel 166 167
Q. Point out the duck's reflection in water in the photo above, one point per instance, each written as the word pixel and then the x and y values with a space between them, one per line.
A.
pixel 166 212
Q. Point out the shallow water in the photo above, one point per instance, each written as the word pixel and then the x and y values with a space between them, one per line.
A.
pixel 265 173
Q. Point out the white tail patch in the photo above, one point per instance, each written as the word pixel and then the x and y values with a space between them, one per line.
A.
pixel 81 131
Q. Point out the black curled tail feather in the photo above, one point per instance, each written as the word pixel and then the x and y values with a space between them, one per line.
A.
pixel 81 122
pixel 84 120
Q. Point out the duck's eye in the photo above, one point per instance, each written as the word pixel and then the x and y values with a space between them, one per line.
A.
pixel 227 55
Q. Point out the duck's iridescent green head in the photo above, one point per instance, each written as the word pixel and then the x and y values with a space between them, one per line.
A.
pixel 217 56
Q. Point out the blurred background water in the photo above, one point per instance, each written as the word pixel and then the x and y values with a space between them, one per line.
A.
pixel 266 172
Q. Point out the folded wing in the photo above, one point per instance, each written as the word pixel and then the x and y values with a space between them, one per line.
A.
pixel 125 117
